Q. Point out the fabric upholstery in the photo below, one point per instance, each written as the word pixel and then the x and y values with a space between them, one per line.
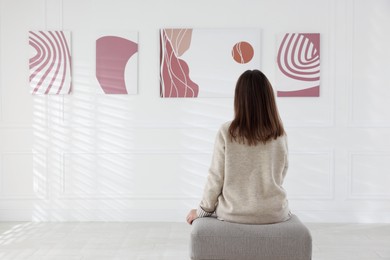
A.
pixel 215 239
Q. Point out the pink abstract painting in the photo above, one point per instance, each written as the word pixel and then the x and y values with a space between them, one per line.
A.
pixel 298 65
pixel 242 52
pixel 175 80
pixel 205 62
pixel 117 63
pixel 50 62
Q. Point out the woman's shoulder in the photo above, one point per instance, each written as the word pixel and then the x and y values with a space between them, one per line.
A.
pixel 224 128
pixel 281 142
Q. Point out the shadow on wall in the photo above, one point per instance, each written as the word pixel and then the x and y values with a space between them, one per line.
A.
pixel 93 159
pixel 82 154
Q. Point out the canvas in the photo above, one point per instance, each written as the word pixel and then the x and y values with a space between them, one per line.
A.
pixel 298 65
pixel 117 63
pixel 206 62
pixel 50 62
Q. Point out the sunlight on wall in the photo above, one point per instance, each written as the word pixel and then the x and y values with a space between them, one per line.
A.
pixel 143 158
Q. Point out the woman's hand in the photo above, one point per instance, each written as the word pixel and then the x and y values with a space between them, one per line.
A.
pixel 192 215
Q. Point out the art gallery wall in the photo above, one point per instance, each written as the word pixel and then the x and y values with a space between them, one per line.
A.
pixel 89 156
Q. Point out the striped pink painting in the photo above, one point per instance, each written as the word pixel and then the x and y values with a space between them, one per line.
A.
pixel 298 61
pixel 50 62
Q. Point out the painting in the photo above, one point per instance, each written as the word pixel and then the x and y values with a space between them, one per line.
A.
pixel 50 62
pixel 117 63
pixel 298 65
pixel 198 63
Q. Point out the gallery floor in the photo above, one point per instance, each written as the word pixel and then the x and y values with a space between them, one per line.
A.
pixel 168 241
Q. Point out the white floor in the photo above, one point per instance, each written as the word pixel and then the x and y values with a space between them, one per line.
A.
pixel 149 241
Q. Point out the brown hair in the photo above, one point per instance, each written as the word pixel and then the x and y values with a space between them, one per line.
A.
pixel 256 114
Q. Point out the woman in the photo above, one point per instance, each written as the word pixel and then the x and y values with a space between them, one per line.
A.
pixel 250 162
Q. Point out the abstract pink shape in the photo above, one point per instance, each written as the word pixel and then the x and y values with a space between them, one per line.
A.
pixel 175 80
pixel 308 92
pixel 112 55
pixel 242 52
pixel 50 67
pixel 299 59
pixel 180 39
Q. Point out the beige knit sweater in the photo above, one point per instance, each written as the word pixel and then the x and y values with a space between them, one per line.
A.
pixel 244 183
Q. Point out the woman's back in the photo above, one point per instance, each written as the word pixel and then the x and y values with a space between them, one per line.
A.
pixel 253 176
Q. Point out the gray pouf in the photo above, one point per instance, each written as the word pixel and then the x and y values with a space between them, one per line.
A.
pixel 215 239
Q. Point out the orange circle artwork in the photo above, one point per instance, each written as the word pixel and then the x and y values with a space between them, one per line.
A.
pixel 242 52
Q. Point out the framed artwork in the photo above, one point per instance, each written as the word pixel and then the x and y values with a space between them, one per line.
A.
pixel 117 63
pixel 298 65
pixel 50 62
pixel 206 62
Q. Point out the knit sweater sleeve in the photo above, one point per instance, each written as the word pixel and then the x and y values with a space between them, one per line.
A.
pixel 213 187
pixel 285 160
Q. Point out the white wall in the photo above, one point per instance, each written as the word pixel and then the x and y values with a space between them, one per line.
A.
pixel 88 156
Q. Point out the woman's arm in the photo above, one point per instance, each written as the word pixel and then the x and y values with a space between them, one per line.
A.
pixel 215 179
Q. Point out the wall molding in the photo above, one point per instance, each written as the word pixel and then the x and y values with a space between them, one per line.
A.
pixel 331 176
pixel 65 195
pixel 351 195
pixel 112 195
pixel 332 60
pixel 42 193
pixel 350 39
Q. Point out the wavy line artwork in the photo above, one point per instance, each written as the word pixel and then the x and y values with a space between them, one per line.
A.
pixel 50 63
pixel 112 55
pixel 174 74
pixel 205 63
pixel 299 65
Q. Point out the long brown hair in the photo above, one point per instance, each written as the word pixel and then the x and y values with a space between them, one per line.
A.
pixel 256 114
